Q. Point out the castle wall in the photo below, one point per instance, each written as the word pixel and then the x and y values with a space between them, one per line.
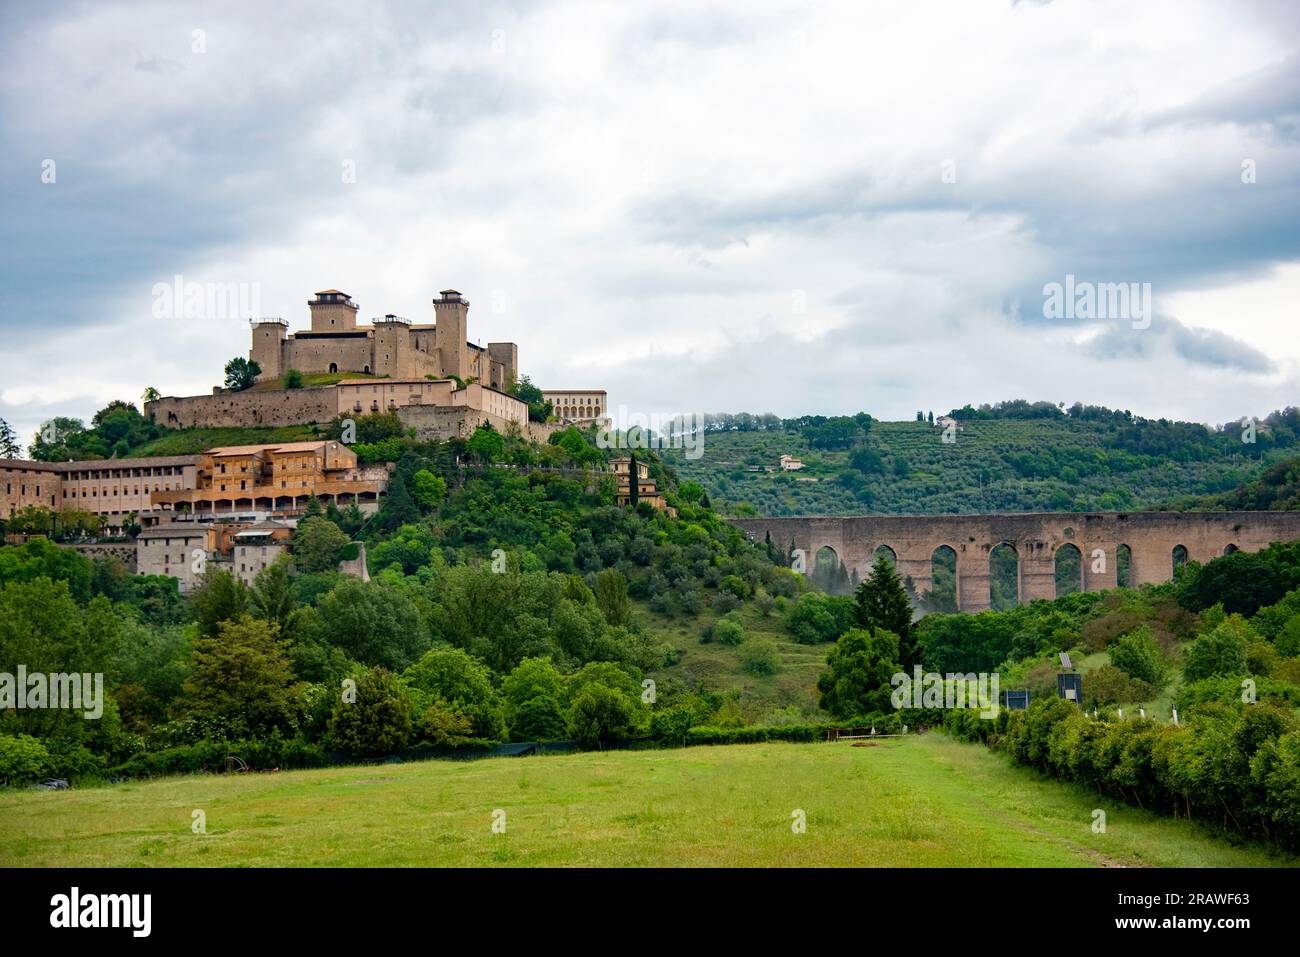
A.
pixel 245 409
pixel 312 354
pixel 460 421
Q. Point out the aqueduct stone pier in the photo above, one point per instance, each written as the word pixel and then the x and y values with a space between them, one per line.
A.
pixel 1150 537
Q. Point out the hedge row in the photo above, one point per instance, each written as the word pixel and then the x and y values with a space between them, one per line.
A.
pixel 884 724
pixel 1235 766
pixel 210 756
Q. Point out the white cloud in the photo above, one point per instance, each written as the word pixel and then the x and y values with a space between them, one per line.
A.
pixel 652 190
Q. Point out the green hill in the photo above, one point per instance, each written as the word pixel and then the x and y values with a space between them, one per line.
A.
pixel 1058 462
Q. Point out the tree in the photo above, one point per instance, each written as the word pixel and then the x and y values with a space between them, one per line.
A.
pixel 1220 652
pixel 378 721
pixel 220 597
pixel 444 724
pixel 399 506
pixel 486 444
pixel 633 481
pixel 1242 582
pixel 462 681
pixel 600 715
pixel 374 622
pixel 1138 656
pixel 150 395
pixel 10 446
pixel 273 598
pixel 533 693
pixel 316 545
pixel 860 668
pixel 611 597
pixel 292 379
pixel 243 678
pixel 428 489
pixel 241 373
pixel 539 407
pixel 671 725
pixel 882 602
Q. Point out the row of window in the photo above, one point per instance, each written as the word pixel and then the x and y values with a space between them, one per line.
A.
pixel 117 490
pixel 100 474
pixel 243 486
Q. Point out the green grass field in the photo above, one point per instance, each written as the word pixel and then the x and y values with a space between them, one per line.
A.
pixel 925 801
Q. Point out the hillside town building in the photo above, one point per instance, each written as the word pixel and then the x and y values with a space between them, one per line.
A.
pixel 252 481
pixel 571 406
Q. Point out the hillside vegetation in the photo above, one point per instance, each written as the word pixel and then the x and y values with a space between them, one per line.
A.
pixel 1013 457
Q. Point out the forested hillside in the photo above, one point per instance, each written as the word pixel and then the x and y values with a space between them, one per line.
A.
pixel 1013 457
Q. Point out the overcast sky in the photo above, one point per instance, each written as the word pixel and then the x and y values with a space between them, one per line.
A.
pixel 796 208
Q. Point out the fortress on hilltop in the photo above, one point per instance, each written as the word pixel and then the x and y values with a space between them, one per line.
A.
pixel 438 382
pixel 389 346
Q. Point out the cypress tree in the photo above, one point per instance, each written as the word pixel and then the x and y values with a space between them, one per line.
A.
pixel 881 602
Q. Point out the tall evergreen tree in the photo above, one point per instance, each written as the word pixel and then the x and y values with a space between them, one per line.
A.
pixel 633 483
pixel 10 447
pixel 882 602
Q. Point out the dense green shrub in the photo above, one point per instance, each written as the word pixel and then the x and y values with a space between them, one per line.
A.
pixel 23 759
pixel 1220 652
pixel 1233 766
pixel 1137 655
pixel 728 632
pixel 759 656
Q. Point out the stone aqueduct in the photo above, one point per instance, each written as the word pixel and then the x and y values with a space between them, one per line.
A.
pixel 1151 538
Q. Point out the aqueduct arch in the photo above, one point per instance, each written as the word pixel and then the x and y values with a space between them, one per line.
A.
pixel 1036 536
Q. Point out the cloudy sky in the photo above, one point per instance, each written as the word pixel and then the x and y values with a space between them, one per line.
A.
pixel 783 207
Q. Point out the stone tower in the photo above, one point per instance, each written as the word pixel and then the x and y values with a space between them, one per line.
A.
pixel 268 346
pixel 333 311
pixel 392 346
pixel 451 313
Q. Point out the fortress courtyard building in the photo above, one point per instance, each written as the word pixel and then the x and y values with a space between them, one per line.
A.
pixel 389 346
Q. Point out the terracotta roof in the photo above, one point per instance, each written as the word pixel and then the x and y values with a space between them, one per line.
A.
pixel 131 463
pixel 253 449
pixel 29 464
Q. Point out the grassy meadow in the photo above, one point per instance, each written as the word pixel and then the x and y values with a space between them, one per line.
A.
pixel 922 801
